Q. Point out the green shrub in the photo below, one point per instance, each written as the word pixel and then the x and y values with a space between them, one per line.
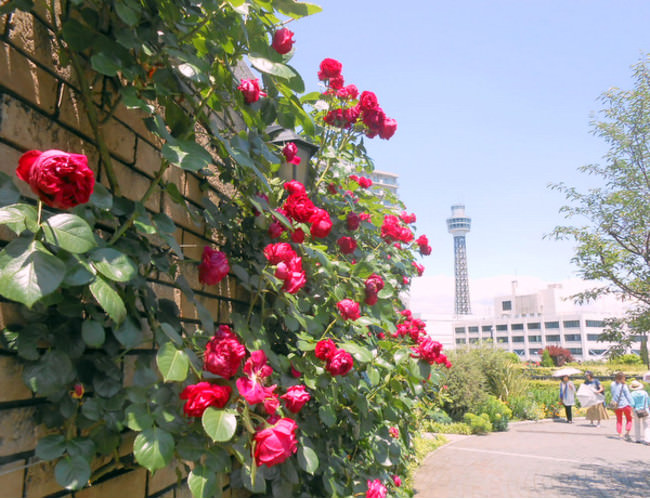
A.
pixel 525 407
pixel 479 425
pixel 457 428
pixel 498 412
pixel 440 416
pixel 629 358
pixel 547 360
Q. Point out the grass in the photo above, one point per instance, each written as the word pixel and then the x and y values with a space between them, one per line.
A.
pixel 422 446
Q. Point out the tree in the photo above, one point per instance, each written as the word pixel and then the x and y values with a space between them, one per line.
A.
pixel 613 245
pixel 559 355
pixel 644 350
pixel 547 360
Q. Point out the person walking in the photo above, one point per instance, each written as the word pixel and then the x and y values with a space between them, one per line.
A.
pixel 595 412
pixel 622 399
pixel 641 406
pixel 567 397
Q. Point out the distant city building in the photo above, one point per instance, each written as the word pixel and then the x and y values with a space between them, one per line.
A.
pixel 526 324
pixel 459 225
pixel 383 183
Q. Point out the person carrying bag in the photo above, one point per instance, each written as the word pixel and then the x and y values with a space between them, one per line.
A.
pixel 621 393
pixel 641 405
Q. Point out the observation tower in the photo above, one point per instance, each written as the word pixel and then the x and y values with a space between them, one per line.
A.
pixel 458 225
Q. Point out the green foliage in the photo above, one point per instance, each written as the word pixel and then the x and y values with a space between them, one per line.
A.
pixel 459 428
pixel 498 412
pixel 628 359
pixel 547 360
pixel 643 351
pixel 479 424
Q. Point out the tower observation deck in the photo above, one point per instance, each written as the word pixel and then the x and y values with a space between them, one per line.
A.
pixel 458 225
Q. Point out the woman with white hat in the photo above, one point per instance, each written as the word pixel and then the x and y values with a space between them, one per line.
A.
pixel 641 406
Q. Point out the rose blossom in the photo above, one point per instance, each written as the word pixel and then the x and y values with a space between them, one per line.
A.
pixel 275 229
pixel 250 89
pixel 387 128
pixel 397 481
pixel 349 92
pixel 294 187
pixel 352 221
pixel 349 309
pixel 368 101
pixel 59 179
pixel 376 489
pixel 275 444
pixel 347 245
pixel 407 218
pixel 223 353
pixel 329 68
pixel 373 285
pixel 283 40
pixel 290 152
pixel 340 363
pixel 213 267
pixel 365 217
pixel 321 224
pixel 298 236
pixel 423 244
pixel 325 349
pixel 295 398
pixel 257 370
pixel 393 431
pixel 203 395
pixel 299 207
pixel 271 401
pixel 419 268
pixel 279 252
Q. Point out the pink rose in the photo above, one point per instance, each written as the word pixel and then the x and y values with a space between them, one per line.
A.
pixel 340 363
pixel 203 395
pixel 325 349
pixel 223 353
pixel 250 89
pixel 275 444
pixel 321 224
pixel 329 68
pixel 282 41
pixel 393 431
pixel 349 309
pixel 290 152
pixel 295 398
pixel 59 179
pixel 376 489
pixel 213 267
pixel 347 245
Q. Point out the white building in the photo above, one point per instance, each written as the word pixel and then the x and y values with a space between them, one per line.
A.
pixel 526 324
pixel 383 183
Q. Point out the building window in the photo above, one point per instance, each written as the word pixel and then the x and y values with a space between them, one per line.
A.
pixel 575 351
pixel 473 329
pixel 502 339
pixel 521 353
pixel 486 329
pixel 552 338
pixel 459 330
pixel 596 352
pixel 506 305
pixel 534 339
pixel 517 327
pixel 593 337
pixel 460 341
pixel 534 325
pixel 571 337
pixel 502 327
pixel 533 351
pixel 571 324
pixel 552 325
pixel 595 323
pixel 517 339
pixel 473 340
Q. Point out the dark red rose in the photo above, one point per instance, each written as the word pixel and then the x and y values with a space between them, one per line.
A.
pixel 349 309
pixel 282 41
pixel 299 207
pixel 352 221
pixel 321 224
pixel 340 363
pixel 325 349
pixel 275 444
pixel 290 152
pixel 347 245
pixel 213 267
pixel 298 236
pixel 329 68
pixel 203 395
pixel 224 353
pixel 368 101
pixel 59 179
pixel 295 398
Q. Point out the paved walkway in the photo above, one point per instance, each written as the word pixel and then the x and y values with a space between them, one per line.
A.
pixel 542 459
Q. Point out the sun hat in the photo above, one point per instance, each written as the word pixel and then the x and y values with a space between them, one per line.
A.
pixel 635 385
pixel 588 373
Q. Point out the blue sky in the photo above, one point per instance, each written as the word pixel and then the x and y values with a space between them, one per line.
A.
pixel 493 101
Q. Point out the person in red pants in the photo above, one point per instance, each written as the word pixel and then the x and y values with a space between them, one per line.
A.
pixel 623 399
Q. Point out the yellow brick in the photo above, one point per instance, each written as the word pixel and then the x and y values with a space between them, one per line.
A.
pixel 17 431
pixel 11 479
pixel 10 314
pixel 3 23
pixel 193 246
pixel 34 38
pixel 147 157
pixel 131 484
pixel 183 491
pixel 133 185
pixel 176 212
pixel 134 119
pixel 12 386
pixel 119 140
pixel 72 111
pixel 9 162
pixel 162 479
pixel 26 79
pixel 40 481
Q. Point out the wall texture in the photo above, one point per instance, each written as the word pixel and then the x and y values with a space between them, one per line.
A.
pixel 40 108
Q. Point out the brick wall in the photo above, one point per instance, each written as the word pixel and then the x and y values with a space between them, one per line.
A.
pixel 40 108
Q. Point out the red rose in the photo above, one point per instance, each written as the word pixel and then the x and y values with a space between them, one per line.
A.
pixel 349 92
pixel 203 395
pixel 368 101
pixel 387 128
pixel 282 41
pixel 365 182
pixel 365 217
pixel 347 245
pixel 325 349
pixel 271 402
pixel 336 82
pixel 329 68
pixel 294 282
pixel 59 179
pixel 275 229
pixel 349 309
pixel 250 89
pixel 373 284
pixel 224 353
pixel 376 489
pixel 428 350
pixel 352 221
pixel 295 398
pixel 298 236
pixel 294 187
pixel 213 267
pixel 393 431
pixel 279 252
pixel 423 244
pixel 340 363
pixel 397 481
pixel 321 224
pixel 406 218
pixel 332 189
pixel 290 152
pixel 275 444
pixel 419 268
pixel 299 207
pixel 78 391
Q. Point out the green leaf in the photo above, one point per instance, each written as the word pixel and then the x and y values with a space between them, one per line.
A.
pixel 78 272
pixel 172 363
pixel 373 375
pixel 9 193
pixel 69 232
pixel 219 424
pixel 153 448
pixel 50 447
pixel 129 334
pixel 203 482
pixel 72 473
pixel 83 447
pixel 327 415
pixel 265 65
pixel 93 333
pixel 295 9
pixel 78 36
pixel 104 64
pixel 187 154
pixel 28 271
pixel 19 217
pixel 171 333
pixel 360 353
pixel 127 13
pixel 113 264
pixel 101 197
pixel 137 417
pixel 109 299
pixel 308 459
